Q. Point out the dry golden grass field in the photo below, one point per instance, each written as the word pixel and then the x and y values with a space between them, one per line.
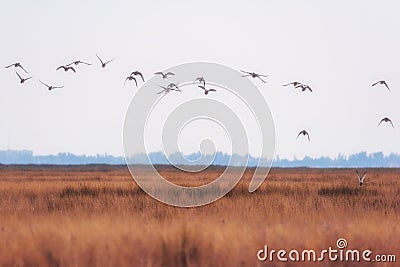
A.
pixel 97 216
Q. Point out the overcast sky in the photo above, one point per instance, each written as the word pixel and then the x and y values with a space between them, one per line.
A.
pixel 339 48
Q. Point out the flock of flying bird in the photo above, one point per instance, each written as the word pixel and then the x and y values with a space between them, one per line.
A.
pixel 174 87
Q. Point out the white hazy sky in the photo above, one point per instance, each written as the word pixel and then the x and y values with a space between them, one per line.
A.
pixel 338 47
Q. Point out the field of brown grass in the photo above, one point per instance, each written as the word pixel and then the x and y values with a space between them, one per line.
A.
pixel 97 216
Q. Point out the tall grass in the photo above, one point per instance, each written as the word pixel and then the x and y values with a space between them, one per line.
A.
pixel 97 216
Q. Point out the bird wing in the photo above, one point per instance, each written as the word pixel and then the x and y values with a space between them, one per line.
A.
pixel 9 66
pixel 109 61
pixel 309 88
pixel 374 84
pixel 287 84
pixel 358 174
pixel 170 73
pixel 70 64
pixel 61 67
pixel 386 85
pixel 299 134
pixel 202 87
pixel 22 68
pixel 85 63
pixel 363 177
pixel 245 72
pixel 127 78
pixel 261 79
pixel 212 90
pixel 18 75
pixel 133 78
pixel 140 74
pixel 44 83
pixel 72 68
pixel 308 136
pixel 99 59
pixel 382 120
pixel 159 73
pixel 391 123
pixel 58 87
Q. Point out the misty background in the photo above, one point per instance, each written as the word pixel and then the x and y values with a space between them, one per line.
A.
pixel 338 48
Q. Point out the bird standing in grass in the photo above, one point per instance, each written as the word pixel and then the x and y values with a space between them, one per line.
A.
pixel 361 178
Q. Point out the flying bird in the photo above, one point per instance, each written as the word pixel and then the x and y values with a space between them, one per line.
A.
pixel 361 178
pixel 137 73
pixel 304 87
pixel 16 65
pixel 77 62
pixel 66 68
pixel 164 75
pixel 50 87
pixel 104 64
pixel 168 89
pixel 383 83
pixel 22 80
pixel 254 75
pixel 304 132
pixel 130 78
pixel 200 80
pixel 293 83
pixel 386 119
pixel 206 91
pixel 173 85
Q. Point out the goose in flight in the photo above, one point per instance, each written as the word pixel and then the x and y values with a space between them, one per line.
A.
pixel 303 87
pixel 137 73
pixel 130 78
pixel 22 80
pixel 254 75
pixel 383 83
pixel 66 68
pixel 293 83
pixel 200 80
pixel 104 64
pixel 361 178
pixel 206 91
pixel 16 65
pixel 164 75
pixel 173 85
pixel 386 119
pixel 168 89
pixel 304 132
pixel 77 62
pixel 50 87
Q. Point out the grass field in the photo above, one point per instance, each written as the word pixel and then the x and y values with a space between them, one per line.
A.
pixel 97 216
